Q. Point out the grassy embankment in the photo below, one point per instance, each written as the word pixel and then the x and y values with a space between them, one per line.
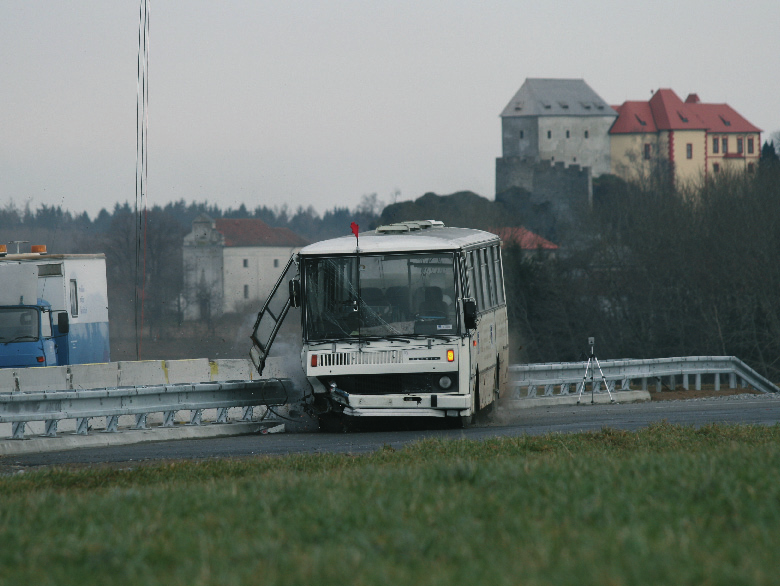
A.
pixel 666 505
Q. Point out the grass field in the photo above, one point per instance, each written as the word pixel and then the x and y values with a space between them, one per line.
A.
pixel 666 505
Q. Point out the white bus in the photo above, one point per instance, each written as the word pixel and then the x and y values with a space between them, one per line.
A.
pixel 409 320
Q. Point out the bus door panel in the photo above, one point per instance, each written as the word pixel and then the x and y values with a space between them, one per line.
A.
pixel 271 316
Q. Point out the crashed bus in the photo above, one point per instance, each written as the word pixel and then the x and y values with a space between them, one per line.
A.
pixel 407 320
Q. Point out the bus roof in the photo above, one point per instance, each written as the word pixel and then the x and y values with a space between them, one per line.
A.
pixel 421 236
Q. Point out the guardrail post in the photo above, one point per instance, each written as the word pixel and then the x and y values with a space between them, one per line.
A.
pixel 626 384
pixel 672 382
pixel 565 388
pixel 222 415
pixel 140 421
pixel 685 381
pixel 82 426
pixel 168 418
pixel 196 417
pixel 17 429
pixel 698 382
pixel 658 384
pixel 248 413
pixel 717 381
pixel 644 383
pixel 112 423
pixel 548 390
pixel 732 380
pixel 531 391
pixel 50 427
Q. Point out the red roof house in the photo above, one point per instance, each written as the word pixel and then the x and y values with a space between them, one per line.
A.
pixel 693 138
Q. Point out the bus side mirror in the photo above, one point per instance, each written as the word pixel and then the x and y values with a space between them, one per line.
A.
pixel 63 325
pixel 470 313
pixel 295 293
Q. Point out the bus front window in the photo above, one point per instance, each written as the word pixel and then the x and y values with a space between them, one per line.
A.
pixel 380 296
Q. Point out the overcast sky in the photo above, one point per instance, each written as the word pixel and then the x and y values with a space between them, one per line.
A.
pixel 318 103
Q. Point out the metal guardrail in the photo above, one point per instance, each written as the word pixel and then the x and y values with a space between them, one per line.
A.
pixel 19 408
pixel 568 376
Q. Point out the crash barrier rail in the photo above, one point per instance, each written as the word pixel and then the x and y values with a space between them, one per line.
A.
pixel 567 377
pixel 53 406
pixel 115 389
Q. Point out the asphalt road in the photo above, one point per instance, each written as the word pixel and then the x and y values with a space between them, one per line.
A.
pixel 754 409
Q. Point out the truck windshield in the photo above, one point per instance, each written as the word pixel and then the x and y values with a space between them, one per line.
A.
pixel 18 324
pixel 380 296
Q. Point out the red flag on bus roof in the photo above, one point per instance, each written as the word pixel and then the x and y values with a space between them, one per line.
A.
pixel 355 228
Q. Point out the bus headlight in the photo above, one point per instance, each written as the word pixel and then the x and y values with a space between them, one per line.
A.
pixel 445 382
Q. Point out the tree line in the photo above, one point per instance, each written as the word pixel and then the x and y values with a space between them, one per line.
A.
pixel 144 250
pixel 658 270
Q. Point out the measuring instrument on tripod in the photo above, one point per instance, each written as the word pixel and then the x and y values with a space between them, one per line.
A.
pixel 591 366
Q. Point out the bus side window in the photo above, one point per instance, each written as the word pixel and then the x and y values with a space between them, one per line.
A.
pixel 485 278
pixel 499 275
pixel 476 283
pixel 491 276
pixel 74 298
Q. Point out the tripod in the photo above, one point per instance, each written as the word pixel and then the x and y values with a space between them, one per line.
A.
pixel 593 363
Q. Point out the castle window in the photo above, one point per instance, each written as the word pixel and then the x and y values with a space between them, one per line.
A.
pixel 689 151
pixel 725 145
pixel 587 134
pixel 648 151
pixel 715 145
pixel 246 291
pixel 750 146
pixel 549 134
pixel 246 262
pixel 521 134
pixel 276 263
pixel 716 167
pixel 567 134
pixel 739 146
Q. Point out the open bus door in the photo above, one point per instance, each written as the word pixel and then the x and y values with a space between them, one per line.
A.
pixel 271 316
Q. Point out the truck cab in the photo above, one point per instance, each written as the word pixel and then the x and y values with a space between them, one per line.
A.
pixel 31 337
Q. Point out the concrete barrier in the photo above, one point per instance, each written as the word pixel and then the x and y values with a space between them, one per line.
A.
pixel 46 378
pixel 94 376
pixel 145 372
pixel 7 380
pixel 232 369
pixel 196 370
pixel 275 367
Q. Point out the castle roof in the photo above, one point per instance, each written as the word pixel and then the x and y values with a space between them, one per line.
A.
pixel 556 97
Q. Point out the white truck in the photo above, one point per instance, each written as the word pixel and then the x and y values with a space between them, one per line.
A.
pixel 53 309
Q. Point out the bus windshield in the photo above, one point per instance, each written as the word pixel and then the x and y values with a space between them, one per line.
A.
pixel 380 296
pixel 18 324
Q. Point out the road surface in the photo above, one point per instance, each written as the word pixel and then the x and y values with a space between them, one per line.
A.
pixel 753 409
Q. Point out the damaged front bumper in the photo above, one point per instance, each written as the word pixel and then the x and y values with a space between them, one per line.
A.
pixel 406 405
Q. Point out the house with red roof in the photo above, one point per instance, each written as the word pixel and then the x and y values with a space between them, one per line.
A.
pixel 691 139
pixel 528 241
pixel 230 264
